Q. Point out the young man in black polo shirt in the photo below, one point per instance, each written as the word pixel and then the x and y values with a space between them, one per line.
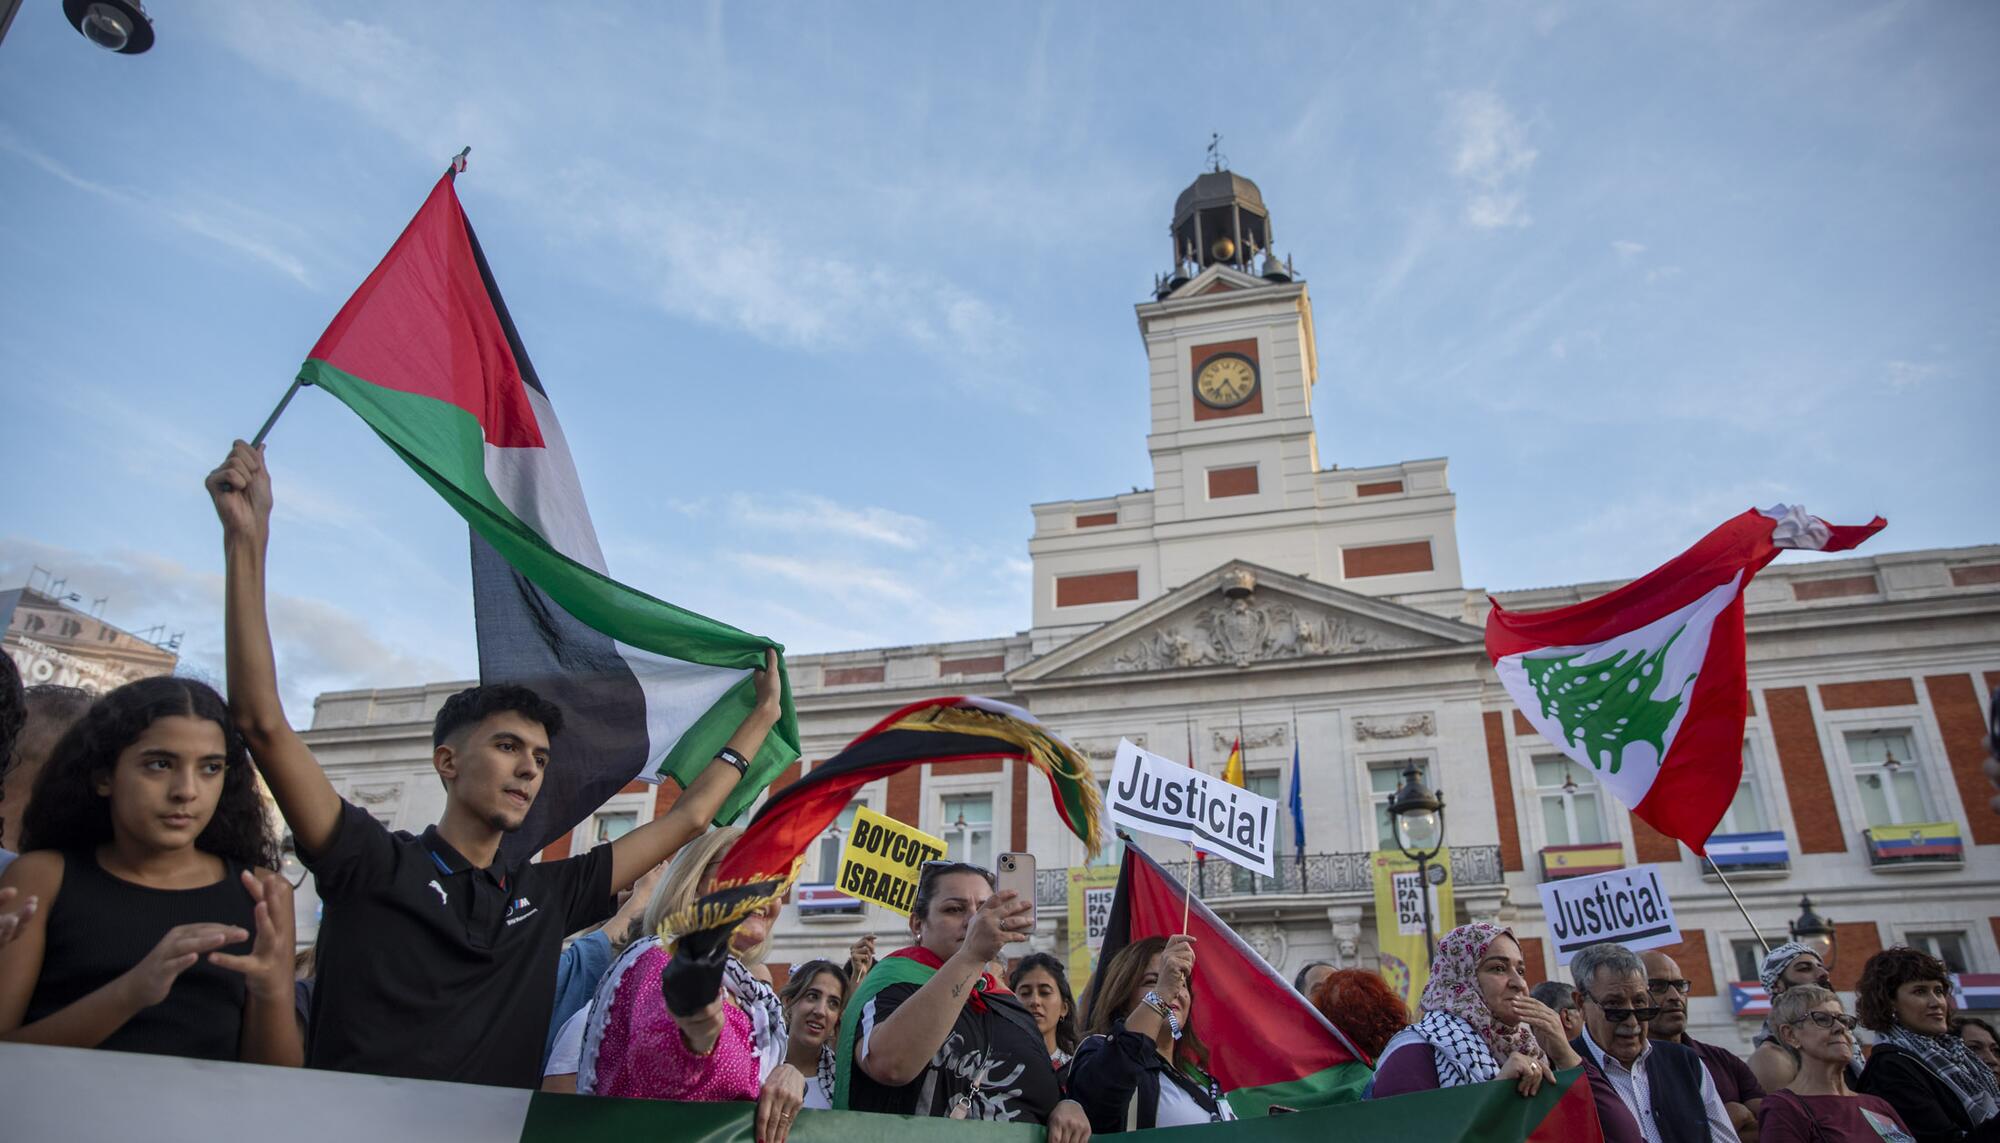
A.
pixel 435 961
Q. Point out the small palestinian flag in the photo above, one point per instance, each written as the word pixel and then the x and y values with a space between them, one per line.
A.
pixel 426 353
pixel 1266 1043
pixel 953 729
pixel 1646 685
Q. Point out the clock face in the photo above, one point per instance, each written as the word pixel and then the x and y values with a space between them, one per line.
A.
pixel 1225 381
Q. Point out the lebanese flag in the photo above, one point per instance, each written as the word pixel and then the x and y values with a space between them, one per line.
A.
pixel 426 353
pixel 1266 1043
pixel 1646 685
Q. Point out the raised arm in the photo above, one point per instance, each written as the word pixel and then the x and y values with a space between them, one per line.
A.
pixel 241 490
pixel 659 839
pixel 904 1044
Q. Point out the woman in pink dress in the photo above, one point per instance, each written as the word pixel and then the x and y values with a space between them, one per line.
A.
pixel 700 1022
pixel 1818 1105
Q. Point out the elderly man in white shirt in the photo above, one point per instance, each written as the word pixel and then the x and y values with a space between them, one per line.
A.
pixel 1663 1085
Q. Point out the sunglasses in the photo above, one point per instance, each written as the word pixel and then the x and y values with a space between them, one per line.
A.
pixel 1657 986
pixel 1621 1014
pixel 1828 1020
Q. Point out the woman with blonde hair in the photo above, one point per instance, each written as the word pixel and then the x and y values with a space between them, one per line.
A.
pixel 1818 1105
pixel 698 1022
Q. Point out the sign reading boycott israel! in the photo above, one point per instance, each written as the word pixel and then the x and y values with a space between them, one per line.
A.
pixel 882 858
pixel 1627 907
pixel 1160 796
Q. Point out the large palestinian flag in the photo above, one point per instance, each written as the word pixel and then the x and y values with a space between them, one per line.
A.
pixel 426 353
pixel 1646 685
pixel 1266 1043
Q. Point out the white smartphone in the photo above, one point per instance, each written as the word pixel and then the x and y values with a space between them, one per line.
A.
pixel 1017 872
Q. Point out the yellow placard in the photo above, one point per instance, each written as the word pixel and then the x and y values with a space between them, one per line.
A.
pixel 1399 922
pixel 1091 888
pixel 882 857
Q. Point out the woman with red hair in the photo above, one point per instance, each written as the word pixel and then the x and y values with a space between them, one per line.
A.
pixel 1362 1005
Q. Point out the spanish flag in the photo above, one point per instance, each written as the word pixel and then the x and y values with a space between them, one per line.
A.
pixel 1232 770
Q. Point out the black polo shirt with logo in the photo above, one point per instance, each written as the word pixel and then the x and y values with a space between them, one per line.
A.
pixel 431 969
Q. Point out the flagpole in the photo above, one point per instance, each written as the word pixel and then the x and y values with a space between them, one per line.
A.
pixel 1754 931
pixel 1187 894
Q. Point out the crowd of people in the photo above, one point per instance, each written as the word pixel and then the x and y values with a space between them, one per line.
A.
pixel 144 913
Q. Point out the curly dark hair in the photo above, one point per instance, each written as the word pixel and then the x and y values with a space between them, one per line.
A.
pixel 1887 971
pixel 1066 1026
pixel 13 709
pixel 67 812
pixel 1362 1005
pixel 469 706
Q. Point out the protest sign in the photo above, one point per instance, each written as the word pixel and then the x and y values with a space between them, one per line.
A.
pixel 882 857
pixel 1092 888
pixel 1399 921
pixel 1627 907
pixel 1160 796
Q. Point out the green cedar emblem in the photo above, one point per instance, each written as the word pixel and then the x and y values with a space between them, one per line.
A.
pixel 1606 705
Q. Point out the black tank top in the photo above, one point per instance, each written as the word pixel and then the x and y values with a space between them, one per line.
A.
pixel 102 925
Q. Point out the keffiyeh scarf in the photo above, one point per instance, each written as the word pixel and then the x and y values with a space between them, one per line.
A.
pixel 1461 1030
pixel 1955 1064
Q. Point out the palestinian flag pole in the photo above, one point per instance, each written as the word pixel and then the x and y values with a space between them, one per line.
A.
pixel 426 353
pixel 1647 685
pixel 1266 1043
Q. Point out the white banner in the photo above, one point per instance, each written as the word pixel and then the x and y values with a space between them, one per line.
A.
pixel 1159 796
pixel 1627 907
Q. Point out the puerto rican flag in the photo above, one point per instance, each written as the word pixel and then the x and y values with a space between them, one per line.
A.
pixel 1748 998
pixel 1976 991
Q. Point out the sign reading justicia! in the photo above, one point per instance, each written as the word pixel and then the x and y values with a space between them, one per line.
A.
pixel 1626 906
pixel 1160 796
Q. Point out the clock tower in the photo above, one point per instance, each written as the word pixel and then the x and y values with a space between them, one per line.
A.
pixel 1231 364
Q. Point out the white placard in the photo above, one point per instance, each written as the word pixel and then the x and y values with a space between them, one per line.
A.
pixel 1626 906
pixel 1159 796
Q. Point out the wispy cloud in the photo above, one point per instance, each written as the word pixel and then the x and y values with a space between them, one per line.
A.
pixel 1910 374
pixel 1491 158
pixel 213 218
pixel 1628 249
pixel 797 512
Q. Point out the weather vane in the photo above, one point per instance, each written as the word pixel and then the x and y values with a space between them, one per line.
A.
pixel 1217 161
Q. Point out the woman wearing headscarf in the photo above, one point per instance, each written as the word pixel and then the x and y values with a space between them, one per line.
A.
pixel 697 1021
pixel 1478 1022
pixel 1942 1091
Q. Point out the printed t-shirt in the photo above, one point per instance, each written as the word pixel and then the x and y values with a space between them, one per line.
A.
pixel 993 1065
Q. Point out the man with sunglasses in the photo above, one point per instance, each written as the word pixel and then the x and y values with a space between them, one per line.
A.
pixel 1662 1084
pixel 1734 1083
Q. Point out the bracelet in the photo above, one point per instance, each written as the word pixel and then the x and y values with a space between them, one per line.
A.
pixel 734 759
pixel 1152 1000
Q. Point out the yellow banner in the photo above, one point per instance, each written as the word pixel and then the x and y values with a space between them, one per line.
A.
pixel 1399 922
pixel 1091 888
pixel 881 860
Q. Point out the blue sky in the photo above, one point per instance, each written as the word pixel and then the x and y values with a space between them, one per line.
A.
pixel 827 294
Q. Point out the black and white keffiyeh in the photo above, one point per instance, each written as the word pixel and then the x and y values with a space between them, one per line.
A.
pixel 1461 1052
pixel 1955 1064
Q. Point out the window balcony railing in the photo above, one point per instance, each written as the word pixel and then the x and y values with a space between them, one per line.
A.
pixel 1316 873
pixel 1917 845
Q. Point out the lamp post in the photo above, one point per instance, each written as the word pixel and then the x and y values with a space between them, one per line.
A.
pixel 120 26
pixel 1814 931
pixel 1417 817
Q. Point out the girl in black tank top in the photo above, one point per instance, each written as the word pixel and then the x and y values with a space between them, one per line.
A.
pixel 160 927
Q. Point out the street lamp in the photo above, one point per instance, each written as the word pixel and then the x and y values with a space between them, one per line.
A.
pixel 1417 816
pixel 121 26
pixel 1814 931
pixel 290 867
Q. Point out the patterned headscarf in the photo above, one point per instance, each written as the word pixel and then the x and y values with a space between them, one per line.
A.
pixel 1776 962
pixel 1454 990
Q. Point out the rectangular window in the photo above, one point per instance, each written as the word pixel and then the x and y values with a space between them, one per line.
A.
pixel 1746 812
pixel 1383 780
pixel 1884 766
pixel 611 827
pixel 1570 805
pixel 1749 957
pixel 833 841
pixel 1947 947
pixel 968 828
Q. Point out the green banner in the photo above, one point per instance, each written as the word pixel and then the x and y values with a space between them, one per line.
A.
pixel 1480 1113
